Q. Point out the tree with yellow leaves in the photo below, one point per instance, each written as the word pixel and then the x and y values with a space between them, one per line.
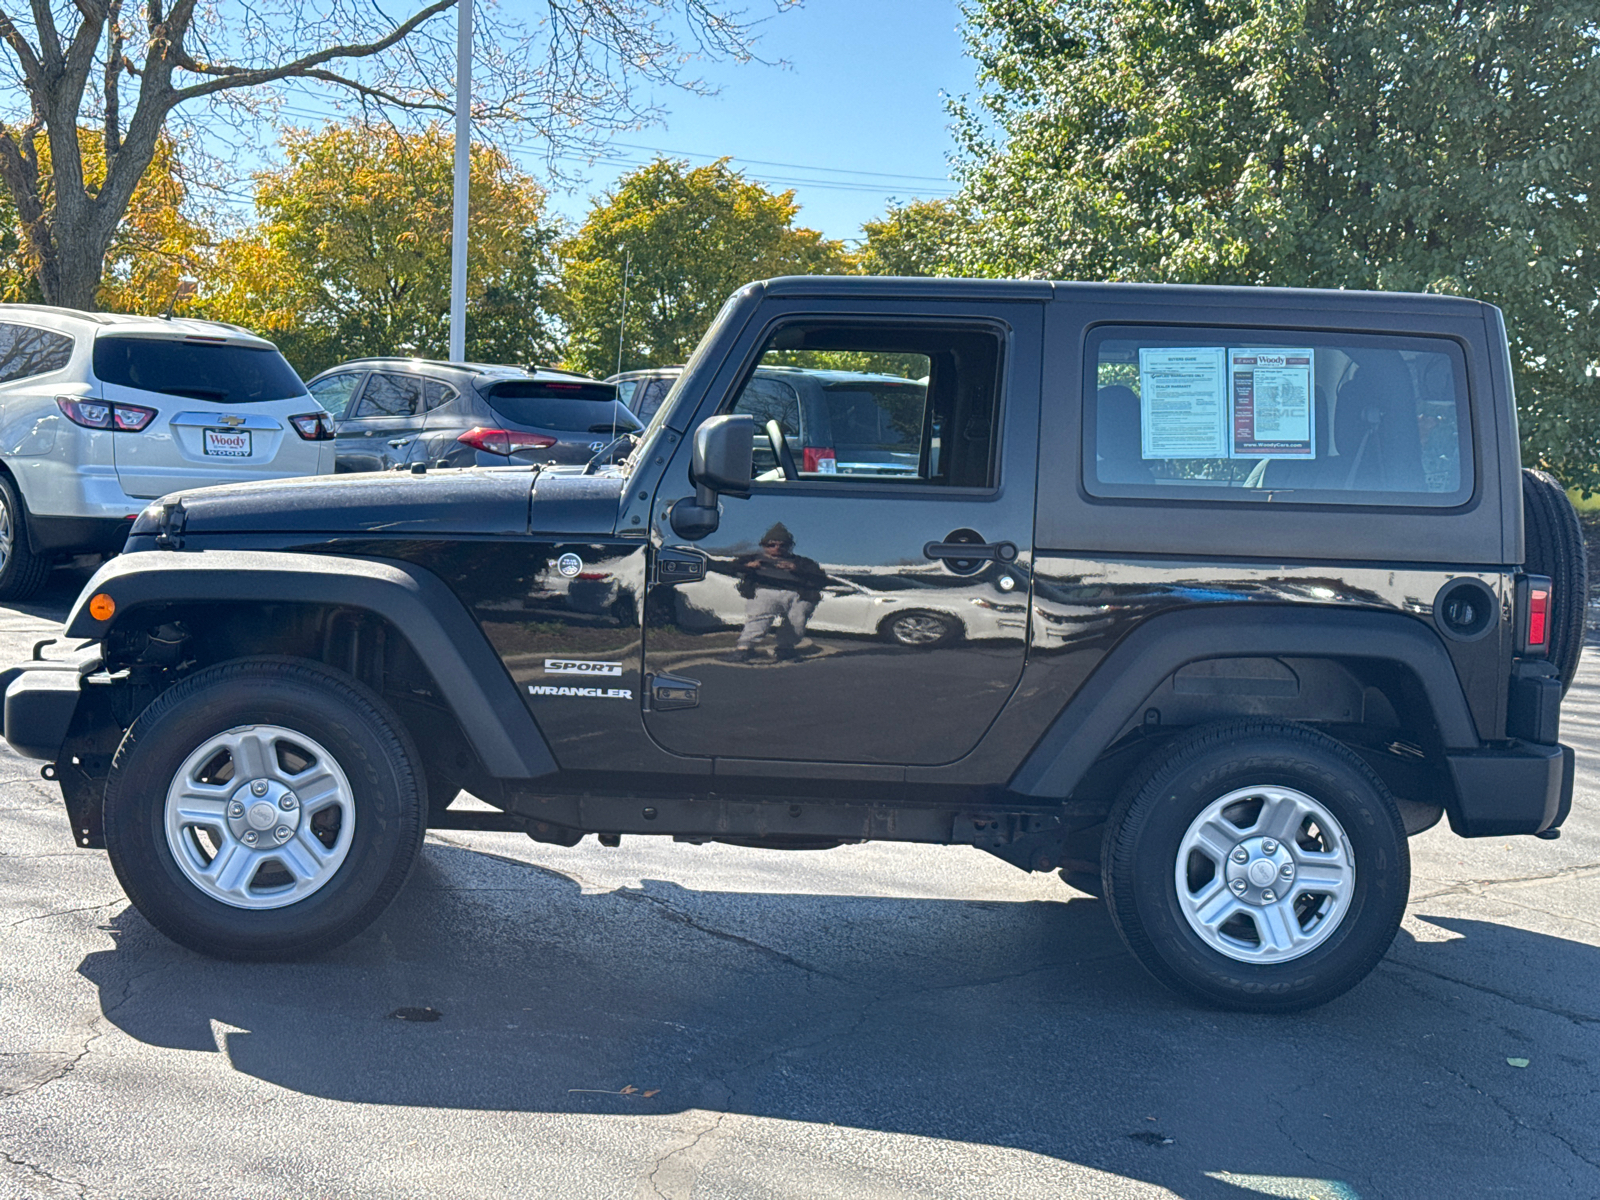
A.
pixel 351 252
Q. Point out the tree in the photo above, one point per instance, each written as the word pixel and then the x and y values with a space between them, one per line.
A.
pixel 919 237
pixel 351 255
pixel 689 239
pixel 576 74
pixel 1414 145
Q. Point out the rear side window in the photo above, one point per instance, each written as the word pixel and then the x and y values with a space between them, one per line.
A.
pixel 390 396
pixel 576 407
pixel 211 371
pixel 1274 415
pixel 26 351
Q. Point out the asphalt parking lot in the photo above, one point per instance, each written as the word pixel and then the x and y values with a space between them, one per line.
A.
pixel 661 1020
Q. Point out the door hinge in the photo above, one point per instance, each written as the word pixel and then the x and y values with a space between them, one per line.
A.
pixel 667 692
pixel 169 531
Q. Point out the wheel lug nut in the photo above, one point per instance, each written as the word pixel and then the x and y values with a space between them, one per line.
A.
pixel 1241 855
pixel 236 810
pixel 1269 895
pixel 288 802
pixel 259 788
pixel 1268 846
pixel 281 833
pixel 249 838
pixel 1238 885
pixel 1288 871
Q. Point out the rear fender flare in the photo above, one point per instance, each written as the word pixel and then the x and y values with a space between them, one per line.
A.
pixel 1161 645
pixel 471 678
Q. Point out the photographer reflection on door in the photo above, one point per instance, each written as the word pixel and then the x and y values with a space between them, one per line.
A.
pixel 781 589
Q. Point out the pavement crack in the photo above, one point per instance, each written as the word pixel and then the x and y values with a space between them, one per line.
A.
pixel 35 1169
pixel 682 1165
pixel 1577 1018
pixel 66 912
pixel 683 918
pixel 1476 886
pixel 1516 1121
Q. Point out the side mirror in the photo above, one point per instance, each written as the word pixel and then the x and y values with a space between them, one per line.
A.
pixel 722 464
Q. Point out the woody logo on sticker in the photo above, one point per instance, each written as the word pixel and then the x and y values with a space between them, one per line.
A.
pixel 580 666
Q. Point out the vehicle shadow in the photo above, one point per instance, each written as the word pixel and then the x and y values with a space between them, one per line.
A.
pixel 493 984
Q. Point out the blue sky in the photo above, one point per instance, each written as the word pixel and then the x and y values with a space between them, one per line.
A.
pixel 858 103
pixel 855 116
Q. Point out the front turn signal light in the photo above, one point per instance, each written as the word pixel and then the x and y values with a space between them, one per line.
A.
pixel 102 607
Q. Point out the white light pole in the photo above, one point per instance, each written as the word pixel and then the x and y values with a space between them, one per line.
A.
pixel 458 225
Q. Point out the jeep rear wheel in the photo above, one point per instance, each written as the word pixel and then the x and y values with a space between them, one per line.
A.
pixel 1257 866
pixel 263 808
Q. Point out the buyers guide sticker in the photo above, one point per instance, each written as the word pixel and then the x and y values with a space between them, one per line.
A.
pixel 1272 397
pixel 1183 402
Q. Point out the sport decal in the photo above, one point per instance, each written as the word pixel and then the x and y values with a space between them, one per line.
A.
pixel 580 666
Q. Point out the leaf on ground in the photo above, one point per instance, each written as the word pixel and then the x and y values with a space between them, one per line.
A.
pixel 652 1092
pixel 1517 1062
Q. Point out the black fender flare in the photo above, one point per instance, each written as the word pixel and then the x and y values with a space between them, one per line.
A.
pixel 1139 662
pixel 471 677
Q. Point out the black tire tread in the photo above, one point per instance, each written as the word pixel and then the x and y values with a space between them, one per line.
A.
pixel 412 824
pixel 25 572
pixel 1120 845
pixel 1554 546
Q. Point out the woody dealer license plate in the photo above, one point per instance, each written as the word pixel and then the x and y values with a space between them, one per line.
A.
pixel 228 443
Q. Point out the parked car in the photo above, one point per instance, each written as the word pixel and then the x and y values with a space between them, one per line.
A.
pixel 100 413
pixel 393 412
pixel 839 422
pixel 1279 596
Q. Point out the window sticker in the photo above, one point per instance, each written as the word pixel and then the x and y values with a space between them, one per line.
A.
pixel 1183 402
pixel 1272 397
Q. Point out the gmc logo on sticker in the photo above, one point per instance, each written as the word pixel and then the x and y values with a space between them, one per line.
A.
pixel 580 666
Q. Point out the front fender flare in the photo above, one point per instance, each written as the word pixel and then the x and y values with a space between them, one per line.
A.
pixel 471 678
pixel 1135 666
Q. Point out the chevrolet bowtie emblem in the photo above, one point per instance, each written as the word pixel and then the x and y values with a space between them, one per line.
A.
pixel 231 422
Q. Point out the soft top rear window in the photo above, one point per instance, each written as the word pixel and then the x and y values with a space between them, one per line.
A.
pixel 581 406
pixel 216 372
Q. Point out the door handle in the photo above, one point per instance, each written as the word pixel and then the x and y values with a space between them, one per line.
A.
pixel 398 442
pixel 972 551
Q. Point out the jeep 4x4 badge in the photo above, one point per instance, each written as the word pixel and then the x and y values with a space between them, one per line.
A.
pixel 1206 598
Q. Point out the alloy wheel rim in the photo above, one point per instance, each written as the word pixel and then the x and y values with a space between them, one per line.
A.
pixel 260 817
pixel 1265 874
pixel 6 536
pixel 918 631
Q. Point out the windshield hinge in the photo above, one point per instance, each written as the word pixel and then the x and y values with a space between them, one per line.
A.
pixel 169 532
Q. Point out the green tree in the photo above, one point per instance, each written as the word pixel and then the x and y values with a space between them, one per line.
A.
pixel 919 237
pixel 351 255
pixel 1411 145
pixel 689 238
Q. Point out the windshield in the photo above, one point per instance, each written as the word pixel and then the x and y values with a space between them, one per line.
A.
pixel 216 372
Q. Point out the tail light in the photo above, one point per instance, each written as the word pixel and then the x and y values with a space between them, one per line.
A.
pixel 820 459
pixel 504 441
pixel 97 414
pixel 313 427
pixel 1533 612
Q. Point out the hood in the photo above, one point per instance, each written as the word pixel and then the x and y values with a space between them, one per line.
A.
pixel 492 500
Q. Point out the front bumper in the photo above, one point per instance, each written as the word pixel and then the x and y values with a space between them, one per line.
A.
pixel 41 698
pixel 1522 787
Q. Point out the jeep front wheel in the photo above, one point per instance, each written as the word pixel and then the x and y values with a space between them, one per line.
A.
pixel 1257 866
pixel 263 808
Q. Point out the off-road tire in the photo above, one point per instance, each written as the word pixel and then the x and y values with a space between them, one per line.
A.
pixel 370 746
pixel 23 573
pixel 1553 546
pixel 1146 827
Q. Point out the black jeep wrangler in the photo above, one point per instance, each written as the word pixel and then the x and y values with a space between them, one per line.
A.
pixel 1205 597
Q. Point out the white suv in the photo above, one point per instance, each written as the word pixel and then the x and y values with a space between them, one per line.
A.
pixel 102 413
